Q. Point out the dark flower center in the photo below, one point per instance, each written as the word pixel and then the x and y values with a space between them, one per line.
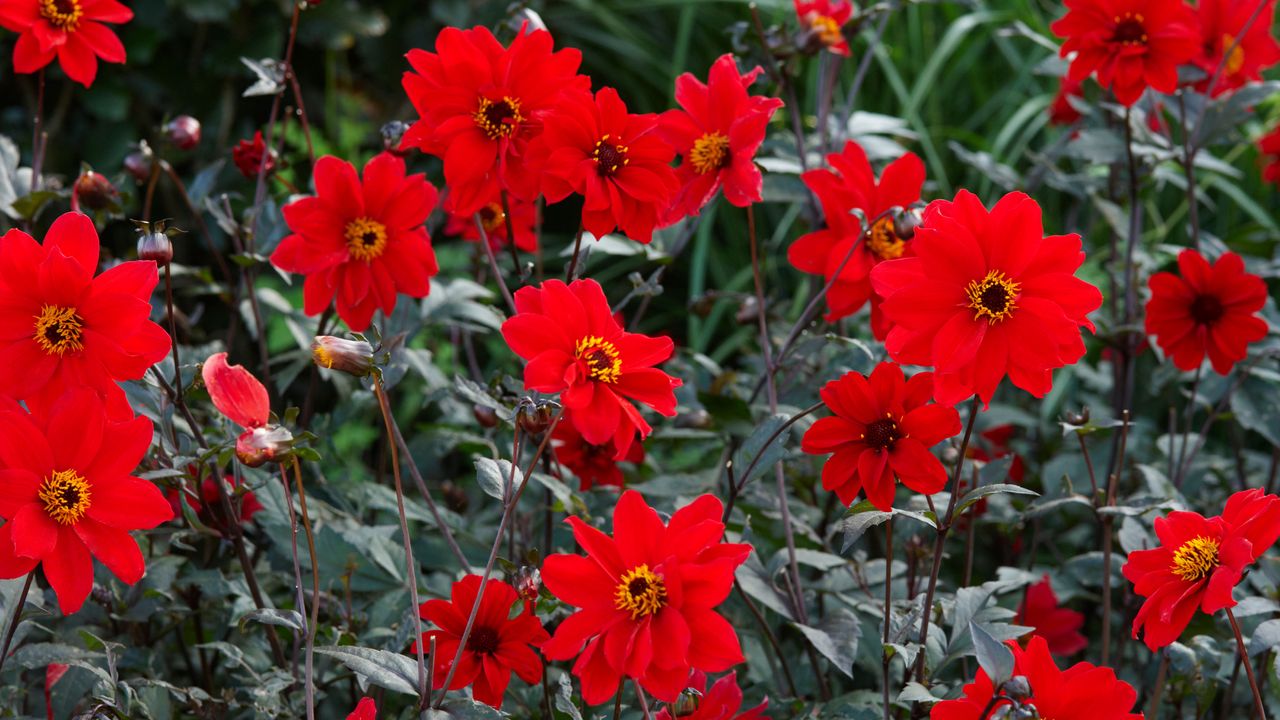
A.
pixel 601 358
pixel 62 14
pixel 641 591
pixel 65 496
pixel 883 241
pixel 882 434
pixel 1130 30
pixel 710 152
pixel 498 119
pixel 483 640
pixel 366 238
pixel 1206 309
pixel 994 296
pixel 58 330
pixel 609 157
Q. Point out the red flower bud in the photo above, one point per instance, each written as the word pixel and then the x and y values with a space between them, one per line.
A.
pixel 183 131
pixel 247 155
pixel 138 162
pixel 534 416
pixel 269 443
pixel 354 357
pixel 485 416
pixel 94 191
pixel 155 246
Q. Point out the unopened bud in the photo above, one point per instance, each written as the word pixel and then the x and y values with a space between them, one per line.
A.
pixel 354 357
pixel 183 131
pixel 1018 687
pixel 248 156
pixel 534 416
pixel 94 190
pixel 687 704
pixel 270 443
pixel 906 222
pixel 748 310
pixel 528 582
pixel 392 133
pixel 485 415
pixel 155 246
pixel 138 163
pixel 1080 418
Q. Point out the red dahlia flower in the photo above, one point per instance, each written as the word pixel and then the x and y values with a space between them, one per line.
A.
pixel 61 327
pixel 497 646
pixel 1059 626
pixel 824 20
pixel 481 104
pixel 1061 111
pixel 247 156
pixel 647 599
pixel 594 465
pixel 717 131
pixel 67 496
pixel 721 702
pixel 524 216
pixel 1269 149
pixel 1198 563
pixel 882 429
pixel 617 161
pixel 366 709
pixel 209 506
pixel 242 398
pixel 70 30
pixel 853 186
pixel 574 346
pixel 360 242
pixel 1220 25
pixel 1208 309
pixel 987 295
pixel 1130 44
pixel 1081 692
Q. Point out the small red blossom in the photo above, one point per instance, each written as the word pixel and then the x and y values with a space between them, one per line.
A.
pixel 1061 111
pixel 646 599
pixel 493 217
pixel 574 345
pixel 617 161
pixel 482 104
pixel 824 21
pixel 248 157
pixel 1255 51
pixel 497 646
pixel 208 507
pixel 1059 626
pixel 1206 309
pixel 717 131
pixel 721 702
pixel 852 185
pixel 1269 152
pixel 360 242
pixel 1198 563
pixel 1129 45
pixel 67 495
pixel 70 30
pixel 986 295
pixel 881 433
pixel 1081 692
pixel 593 465
pixel 366 709
pixel 62 327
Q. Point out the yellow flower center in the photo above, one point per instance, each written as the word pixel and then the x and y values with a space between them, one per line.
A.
pixel 1235 60
pixel 883 242
pixel 62 14
pixel 641 591
pixel 1130 29
pixel 609 157
pixel 826 29
pixel 994 296
pixel 492 217
pixel 710 152
pixel 58 330
pixel 498 119
pixel 601 357
pixel 1196 558
pixel 65 496
pixel 366 238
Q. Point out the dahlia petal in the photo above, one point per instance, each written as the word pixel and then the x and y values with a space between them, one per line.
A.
pixel 76 237
pixel 128 503
pixel 123 445
pixel 598 546
pixel 78 61
pixel 115 548
pixel 69 570
pixel 34 533
pixel 236 392
pixel 840 474
pixel 715 647
pixel 75 427
pixel 598 420
pixel 18 488
pixel 651 387
pixel 101 41
pixel 28 56
pixel 12 565
pixel 23 445
pixel 827 435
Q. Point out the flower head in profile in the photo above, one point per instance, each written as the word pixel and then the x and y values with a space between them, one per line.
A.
pixel 986 296
pixel 617 161
pixel 721 702
pixel 493 218
pixel 824 21
pixel 1198 563
pixel 851 185
pixel 497 646
pixel 1256 50
pixel 880 433
pixel 481 104
pixel 71 31
pixel 593 465
pixel 717 130
pixel 573 345
pixel 248 157
pixel 1206 310
pixel 1129 45
pixel 646 599
pixel 1059 626
pixel 1081 692
pixel 243 400
pixel 1269 152
pixel 366 709
pixel 63 327
pixel 360 241
pixel 67 496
